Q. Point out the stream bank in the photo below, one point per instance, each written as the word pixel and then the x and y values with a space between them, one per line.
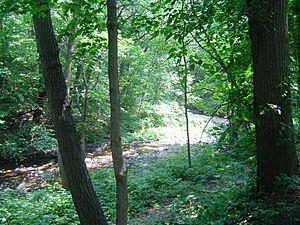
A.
pixel 38 173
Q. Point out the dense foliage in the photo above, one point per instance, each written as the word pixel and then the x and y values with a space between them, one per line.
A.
pixel 161 47
pixel 23 103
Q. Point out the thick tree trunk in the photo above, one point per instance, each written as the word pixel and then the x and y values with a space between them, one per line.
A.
pixel 118 161
pixel 274 130
pixel 83 194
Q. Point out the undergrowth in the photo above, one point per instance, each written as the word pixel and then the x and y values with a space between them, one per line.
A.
pixel 51 205
pixel 217 189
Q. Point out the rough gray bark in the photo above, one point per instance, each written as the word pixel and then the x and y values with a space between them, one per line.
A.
pixel 274 129
pixel 83 194
pixel 118 161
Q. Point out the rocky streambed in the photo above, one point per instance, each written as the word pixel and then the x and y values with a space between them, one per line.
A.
pixel 38 173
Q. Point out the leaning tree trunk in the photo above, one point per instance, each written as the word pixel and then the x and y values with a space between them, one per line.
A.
pixel 118 161
pixel 274 130
pixel 68 75
pixel 83 194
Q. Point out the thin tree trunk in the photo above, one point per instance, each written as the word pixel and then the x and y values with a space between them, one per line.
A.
pixel 62 172
pixel 185 87
pixel 83 194
pixel 274 129
pixel 118 161
pixel 85 108
pixel 69 55
pixel 186 112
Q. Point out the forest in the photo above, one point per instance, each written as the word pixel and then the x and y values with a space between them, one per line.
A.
pixel 149 112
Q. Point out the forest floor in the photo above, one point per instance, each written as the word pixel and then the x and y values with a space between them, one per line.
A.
pixel 36 174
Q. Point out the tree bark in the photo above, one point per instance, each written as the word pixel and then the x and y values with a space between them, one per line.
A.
pixel 83 194
pixel 274 129
pixel 68 76
pixel 118 161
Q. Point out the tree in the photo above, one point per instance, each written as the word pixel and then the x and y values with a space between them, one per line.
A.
pixel 274 130
pixel 68 75
pixel 83 194
pixel 119 164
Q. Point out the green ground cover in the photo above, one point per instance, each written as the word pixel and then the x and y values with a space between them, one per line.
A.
pixel 217 189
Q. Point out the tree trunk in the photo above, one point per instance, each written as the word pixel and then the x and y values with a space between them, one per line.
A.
pixel 68 75
pixel 187 127
pixel 83 194
pixel 69 55
pixel 84 107
pixel 118 161
pixel 274 129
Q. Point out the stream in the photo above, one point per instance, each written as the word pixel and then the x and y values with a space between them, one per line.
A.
pixel 40 172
